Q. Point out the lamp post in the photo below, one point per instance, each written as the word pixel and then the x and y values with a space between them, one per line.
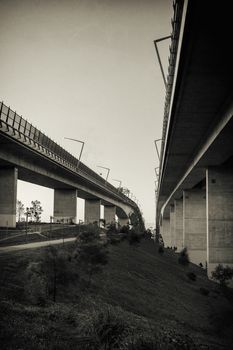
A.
pixel 120 182
pixel 103 167
pixel 81 151
pixel 158 56
pixel 157 150
pixel 157 175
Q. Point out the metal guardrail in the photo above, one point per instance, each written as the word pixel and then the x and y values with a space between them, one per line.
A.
pixel 20 129
pixel 175 22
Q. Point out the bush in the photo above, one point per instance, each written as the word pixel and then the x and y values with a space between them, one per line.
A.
pixel 133 237
pixel 124 229
pixel 91 253
pixel 143 343
pixel 111 228
pixel 161 249
pixel 110 329
pixel 45 277
pixel 113 240
pixel 222 274
pixel 204 291
pixel 183 257
pixel 192 276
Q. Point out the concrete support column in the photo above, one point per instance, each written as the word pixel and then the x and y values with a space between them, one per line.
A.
pixel 92 211
pixel 172 225
pixel 65 205
pixel 194 221
pixel 165 231
pixel 8 193
pixel 219 217
pixel 178 223
pixel 109 214
pixel 123 221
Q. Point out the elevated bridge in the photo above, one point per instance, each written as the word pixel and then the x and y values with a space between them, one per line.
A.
pixel 29 155
pixel 195 187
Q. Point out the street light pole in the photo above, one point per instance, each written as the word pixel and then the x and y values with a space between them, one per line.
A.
pixel 157 175
pixel 155 141
pixel 103 167
pixel 158 56
pixel 81 151
pixel 120 182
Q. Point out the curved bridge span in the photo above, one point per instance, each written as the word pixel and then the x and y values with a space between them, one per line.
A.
pixel 29 155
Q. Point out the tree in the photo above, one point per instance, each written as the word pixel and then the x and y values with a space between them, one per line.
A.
pixel 53 270
pixel 19 209
pixel 137 221
pixel 222 274
pixel 124 190
pixel 183 257
pixel 36 210
pixel 91 252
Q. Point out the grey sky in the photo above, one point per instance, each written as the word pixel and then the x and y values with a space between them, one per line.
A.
pixel 87 69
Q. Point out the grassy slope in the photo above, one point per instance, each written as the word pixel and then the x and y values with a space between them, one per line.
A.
pixel 149 289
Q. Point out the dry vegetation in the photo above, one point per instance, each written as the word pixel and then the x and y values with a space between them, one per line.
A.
pixel 141 300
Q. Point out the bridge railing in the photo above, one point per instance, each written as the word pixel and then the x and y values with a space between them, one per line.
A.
pixel 175 22
pixel 18 127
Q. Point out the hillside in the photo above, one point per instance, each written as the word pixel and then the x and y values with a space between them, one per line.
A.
pixel 141 300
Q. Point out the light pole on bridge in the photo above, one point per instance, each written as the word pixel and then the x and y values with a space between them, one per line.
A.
pixel 81 151
pixel 156 146
pixel 120 182
pixel 108 170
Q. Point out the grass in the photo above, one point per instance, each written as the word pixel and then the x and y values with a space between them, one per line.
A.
pixel 139 292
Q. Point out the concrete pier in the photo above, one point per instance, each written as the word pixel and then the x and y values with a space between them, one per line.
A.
pixel 8 193
pixel 219 217
pixel 172 225
pixel 123 221
pixel 92 211
pixel 109 214
pixel 194 222
pixel 65 205
pixel 165 231
pixel 178 224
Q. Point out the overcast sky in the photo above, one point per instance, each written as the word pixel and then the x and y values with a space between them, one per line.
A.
pixel 87 69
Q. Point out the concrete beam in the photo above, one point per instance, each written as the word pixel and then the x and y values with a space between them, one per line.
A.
pixel 194 221
pixel 109 214
pixel 92 211
pixel 219 217
pixel 178 224
pixel 8 192
pixel 65 205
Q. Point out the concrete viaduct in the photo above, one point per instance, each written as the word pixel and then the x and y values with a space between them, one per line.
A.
pixel 195 185
pixel 29 155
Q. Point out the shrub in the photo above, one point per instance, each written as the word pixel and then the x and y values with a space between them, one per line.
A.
pixel 143 343
pixel 111 228
pixel 204 291
pixel 161 249
pixel 91 253
pixel 133 237
pixel 222 274
pixel 192 276
pixel 112 239
pixel 110 329
pixel 124 229
pixel 183 257
pixel 46 276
